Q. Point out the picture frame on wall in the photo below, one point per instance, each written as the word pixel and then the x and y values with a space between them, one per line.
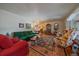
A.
pixel 56 26
pixel 28 26
pixel 21 25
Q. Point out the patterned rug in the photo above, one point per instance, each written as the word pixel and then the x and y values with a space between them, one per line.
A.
pixel 45 49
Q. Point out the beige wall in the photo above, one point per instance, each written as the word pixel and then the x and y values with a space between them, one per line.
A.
pixel 61 23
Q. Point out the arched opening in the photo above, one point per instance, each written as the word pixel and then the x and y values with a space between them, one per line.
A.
pixel 73 21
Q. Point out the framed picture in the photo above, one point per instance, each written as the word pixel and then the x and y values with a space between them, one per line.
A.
pixel 56 26
pixel 21 25
pixel 28 26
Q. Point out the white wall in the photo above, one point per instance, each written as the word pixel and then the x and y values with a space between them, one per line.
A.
pixel 9 22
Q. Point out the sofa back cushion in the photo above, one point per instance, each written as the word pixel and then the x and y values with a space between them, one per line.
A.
pixel 5 41
pixel 22 33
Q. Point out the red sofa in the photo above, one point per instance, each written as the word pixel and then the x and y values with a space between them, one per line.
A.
pixel 13 46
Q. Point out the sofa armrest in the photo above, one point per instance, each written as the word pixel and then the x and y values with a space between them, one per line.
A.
pixel 21 48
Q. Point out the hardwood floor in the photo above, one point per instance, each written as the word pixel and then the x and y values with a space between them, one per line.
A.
pixel 42 51
pixel 33 53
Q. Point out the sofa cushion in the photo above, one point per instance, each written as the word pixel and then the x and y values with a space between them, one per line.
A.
pixel 5 41
pixel 15 40
pixel 0 49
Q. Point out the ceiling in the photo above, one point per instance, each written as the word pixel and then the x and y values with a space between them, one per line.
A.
pixel 49 10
